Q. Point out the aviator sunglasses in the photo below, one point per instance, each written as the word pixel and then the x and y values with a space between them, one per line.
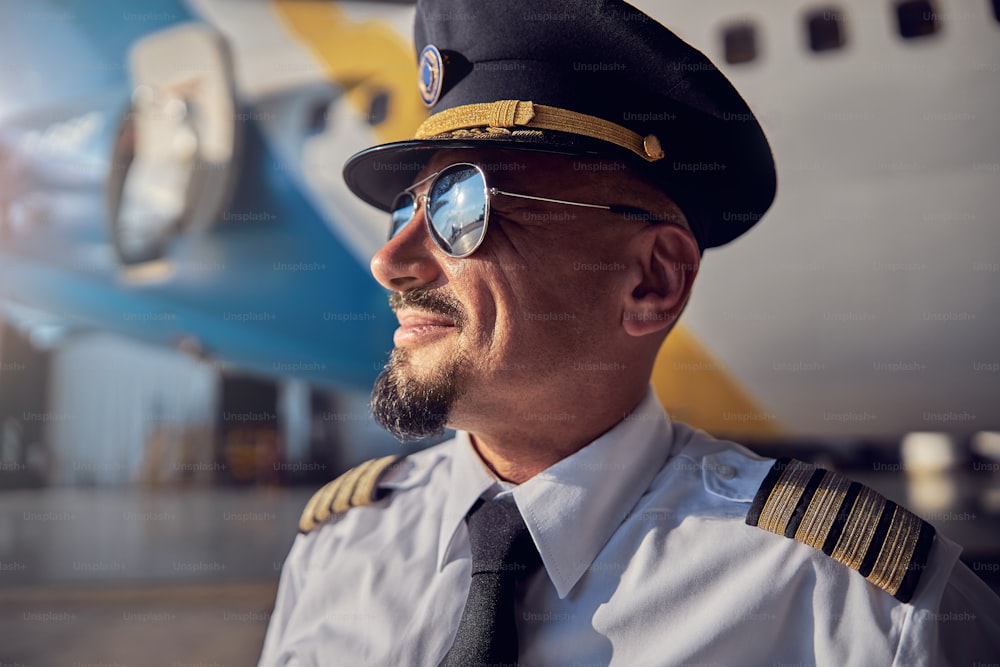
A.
pixel 457 208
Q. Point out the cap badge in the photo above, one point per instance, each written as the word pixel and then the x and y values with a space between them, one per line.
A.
pixel 651 145
pixel 431 71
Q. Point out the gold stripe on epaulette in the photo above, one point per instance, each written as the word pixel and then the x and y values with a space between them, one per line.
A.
pixel 356 487
pixel 507 114
pixel 822 510
pixel 364 489
pixel 852 523
pixel 785 496
pixel 320 499
pixel 859 529
pixel 342 499
pixel 317 509
pixel 896 552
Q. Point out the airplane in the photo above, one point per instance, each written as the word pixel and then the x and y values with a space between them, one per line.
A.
pixel 171 190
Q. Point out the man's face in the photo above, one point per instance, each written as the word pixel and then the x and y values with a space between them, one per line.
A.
pixel 492 335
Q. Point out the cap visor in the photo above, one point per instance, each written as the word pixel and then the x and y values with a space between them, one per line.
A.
pixel 376 175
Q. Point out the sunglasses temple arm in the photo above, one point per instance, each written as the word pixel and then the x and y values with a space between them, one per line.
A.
pixel 497 191
pixel 419 183
pixel 636 212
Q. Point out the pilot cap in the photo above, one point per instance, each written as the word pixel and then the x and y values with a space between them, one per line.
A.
pixel 591 78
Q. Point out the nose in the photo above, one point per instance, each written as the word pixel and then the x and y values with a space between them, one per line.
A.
pixel 407 260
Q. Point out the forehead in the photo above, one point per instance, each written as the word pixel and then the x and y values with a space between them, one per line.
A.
pixel 518 166
pixel 491 161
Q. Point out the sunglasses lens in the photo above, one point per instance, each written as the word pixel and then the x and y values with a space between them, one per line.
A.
pixel 401 212
pixel 457 209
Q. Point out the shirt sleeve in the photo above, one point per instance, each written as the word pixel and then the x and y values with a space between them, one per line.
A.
pixel 284 604
pixel 968 621
pixel 955 617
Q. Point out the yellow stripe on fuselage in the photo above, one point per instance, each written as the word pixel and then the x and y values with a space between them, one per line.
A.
pixel 697 389
pixel 365 57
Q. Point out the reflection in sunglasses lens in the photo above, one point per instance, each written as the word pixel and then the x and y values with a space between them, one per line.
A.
pixel 458 209
pixel 402 212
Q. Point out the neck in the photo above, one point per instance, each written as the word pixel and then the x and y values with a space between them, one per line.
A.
pixel 518 451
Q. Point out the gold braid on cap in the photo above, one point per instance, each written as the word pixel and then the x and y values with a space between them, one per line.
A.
pixel 506 114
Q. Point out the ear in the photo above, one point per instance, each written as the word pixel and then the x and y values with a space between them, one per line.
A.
pixel 666 262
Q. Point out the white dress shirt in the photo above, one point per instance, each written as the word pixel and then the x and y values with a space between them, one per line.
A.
pixel 647 562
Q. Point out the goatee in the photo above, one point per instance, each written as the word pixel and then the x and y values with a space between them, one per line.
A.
pixel 411 408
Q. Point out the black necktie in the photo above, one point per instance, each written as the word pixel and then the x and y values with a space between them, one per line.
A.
pixel 502 554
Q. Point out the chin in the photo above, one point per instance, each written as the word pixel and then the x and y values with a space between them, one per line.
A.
pixel 412 400
pixel 421 362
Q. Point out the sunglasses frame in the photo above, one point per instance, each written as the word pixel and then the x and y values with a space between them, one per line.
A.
pixel 490 192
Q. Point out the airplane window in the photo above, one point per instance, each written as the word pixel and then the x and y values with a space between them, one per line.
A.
pixel 996 10
pixel 826 30
pixel 740 43
pixel 317 117
pixel 916 18
pixel 378 108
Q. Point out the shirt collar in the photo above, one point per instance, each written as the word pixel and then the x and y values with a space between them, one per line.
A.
pixel 470 479
pixel 599 484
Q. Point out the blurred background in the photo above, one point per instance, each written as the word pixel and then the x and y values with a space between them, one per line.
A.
pixel 189 332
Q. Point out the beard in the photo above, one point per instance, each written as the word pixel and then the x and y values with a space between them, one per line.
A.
pixel 411 407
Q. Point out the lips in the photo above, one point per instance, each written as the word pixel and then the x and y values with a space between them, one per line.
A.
pixel 417 326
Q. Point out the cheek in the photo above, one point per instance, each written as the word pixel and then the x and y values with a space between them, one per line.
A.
pixel 507 308
pixel 475 287
pixel 591 294
pixel 552 302
pixel 566 312
pixel 455 268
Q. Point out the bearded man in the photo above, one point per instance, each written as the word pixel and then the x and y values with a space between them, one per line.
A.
pixel 546 227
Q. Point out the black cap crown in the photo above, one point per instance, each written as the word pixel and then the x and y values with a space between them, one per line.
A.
pixel 582 77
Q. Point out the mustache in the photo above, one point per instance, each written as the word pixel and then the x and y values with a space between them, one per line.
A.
pixel 430 300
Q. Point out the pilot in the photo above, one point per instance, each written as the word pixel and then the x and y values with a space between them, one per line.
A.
pixel 545 227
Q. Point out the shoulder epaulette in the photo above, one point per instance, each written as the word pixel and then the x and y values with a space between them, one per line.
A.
pixel 358 486
pixel 849 522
